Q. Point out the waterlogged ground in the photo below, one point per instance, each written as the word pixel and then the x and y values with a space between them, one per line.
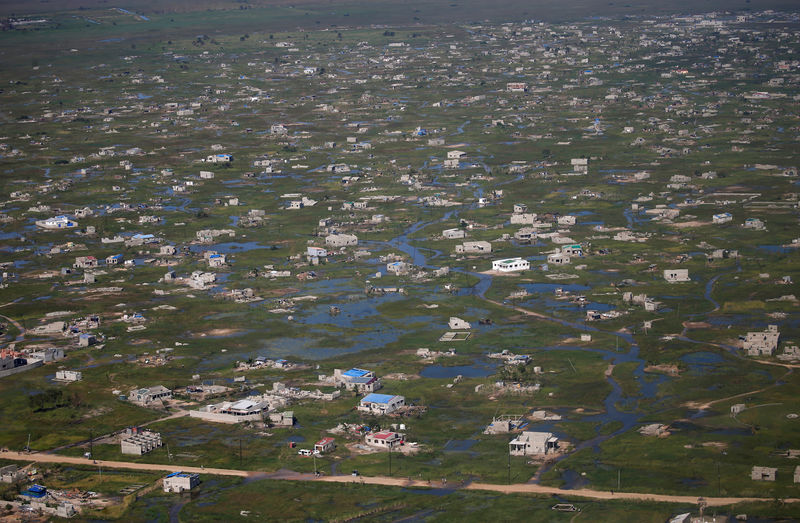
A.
pixel 125 162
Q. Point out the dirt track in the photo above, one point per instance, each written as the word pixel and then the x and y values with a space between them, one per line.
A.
pixel 517 488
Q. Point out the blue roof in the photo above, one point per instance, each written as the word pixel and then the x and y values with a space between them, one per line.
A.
pixel 377 398
pixel 35 491
pixel 174 474
pixel 355 373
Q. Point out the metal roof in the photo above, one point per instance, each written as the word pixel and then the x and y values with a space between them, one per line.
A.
pixel 377 398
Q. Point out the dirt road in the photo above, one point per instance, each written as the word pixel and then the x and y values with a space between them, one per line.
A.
pixel 517 488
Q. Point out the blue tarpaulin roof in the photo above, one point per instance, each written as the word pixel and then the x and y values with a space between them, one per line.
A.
pixel 355 373
pixel 377 398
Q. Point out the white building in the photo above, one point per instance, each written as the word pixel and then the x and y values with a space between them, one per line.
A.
pixel 57 222
pixel 181 482
pixel 454 234
pixel 148 395
pixel 580 165
pixel 558 258
pixel 474 247
pixel 676 275
pixel 384 439
pixel 69 375
pixel 458 324
pixel 136 442
pixel 341 240
pixel 232 412
pixel 529 443
pixel 511 265
pixel 219 158
pixel 762 343
pixel 523 218
pixel 380 404
pixel 359 380
pixel 724 217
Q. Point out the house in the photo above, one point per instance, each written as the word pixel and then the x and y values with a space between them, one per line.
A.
pixel 454 234
pixel 68 375
pixel 136 442
pixel 724 217
pixel 397 268
pixel 11 474
pixel 341 240
pixel 167 250
pixel 232 412
pixel 325 445
pixel 219 158
pixel 573 250
pixel 580 165
pixel 529 443
pixel 455 155
pixel 762 343
pixel 516 87
pixel 114 259
pixel 473 247
pixel 349 206
pixel 763 473
pixel 558 258
pixel 526 235
pixel 148 395
pixel 206 175
pixel 380 404
pixel 511 265
pixel 520 208
pixel 181 482
pixel 35 491
pixel 278 129
pixel 458 323
pixel 48 354
pixel 318 252
pixel 85 262
pixel 504 424
pixel 359 380
pixel 215 259
pixel 566 220
pixel 676 275
pixel 57 222
pixel 384 439
pixel 523 218
pixel 282 419
pixel 754 223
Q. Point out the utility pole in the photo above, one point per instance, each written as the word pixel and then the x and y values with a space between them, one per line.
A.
pixel 509 465
pixel 315 464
